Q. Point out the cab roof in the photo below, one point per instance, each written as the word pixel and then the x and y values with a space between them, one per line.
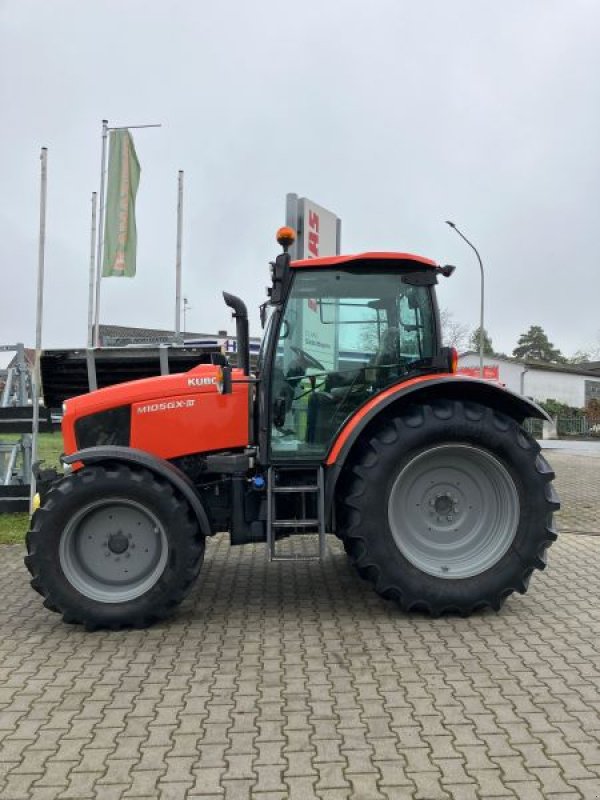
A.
pixel 406 259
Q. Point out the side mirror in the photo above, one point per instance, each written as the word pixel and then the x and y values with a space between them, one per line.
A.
pixel 280 272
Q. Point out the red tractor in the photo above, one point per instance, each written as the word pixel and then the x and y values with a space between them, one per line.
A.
pixel 353 422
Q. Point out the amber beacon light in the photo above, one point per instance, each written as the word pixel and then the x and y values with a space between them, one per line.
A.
pixel 286 237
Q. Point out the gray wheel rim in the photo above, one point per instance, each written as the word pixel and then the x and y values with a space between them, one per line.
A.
pixel 113 550
pixel 453 511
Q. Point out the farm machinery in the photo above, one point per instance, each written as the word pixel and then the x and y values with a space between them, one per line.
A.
pixel 353 422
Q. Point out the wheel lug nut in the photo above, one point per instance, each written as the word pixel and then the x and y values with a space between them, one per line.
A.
pixel 449 517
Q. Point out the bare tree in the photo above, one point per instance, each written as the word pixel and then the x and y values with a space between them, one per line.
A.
pixel 454 333
pixel 591 353
pixel 580 357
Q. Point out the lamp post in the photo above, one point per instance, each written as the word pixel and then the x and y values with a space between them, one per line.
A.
pixel 481 328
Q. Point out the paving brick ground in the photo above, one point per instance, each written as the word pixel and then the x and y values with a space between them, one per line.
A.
pixel 578 482
pixel 298 682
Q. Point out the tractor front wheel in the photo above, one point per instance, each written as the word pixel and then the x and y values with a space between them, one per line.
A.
pixel 113 546
pixel 448 507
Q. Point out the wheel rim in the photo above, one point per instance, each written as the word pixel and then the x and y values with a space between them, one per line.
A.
pixel 113 550
pixel 453 511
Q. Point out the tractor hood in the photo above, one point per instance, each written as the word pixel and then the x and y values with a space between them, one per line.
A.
pixel 170 415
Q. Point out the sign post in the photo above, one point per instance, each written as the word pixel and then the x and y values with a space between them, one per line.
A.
pixel 318 234
pixel 318 230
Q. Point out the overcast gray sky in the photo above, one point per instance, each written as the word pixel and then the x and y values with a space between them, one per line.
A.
pixel 396 115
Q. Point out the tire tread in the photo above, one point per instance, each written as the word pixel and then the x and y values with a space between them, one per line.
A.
pixel 363 467
pixel 36 539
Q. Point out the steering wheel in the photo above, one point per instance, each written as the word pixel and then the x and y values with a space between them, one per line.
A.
pixel 310 361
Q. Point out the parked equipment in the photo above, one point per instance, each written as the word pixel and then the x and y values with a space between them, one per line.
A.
pixel 16 417
pixel 354 423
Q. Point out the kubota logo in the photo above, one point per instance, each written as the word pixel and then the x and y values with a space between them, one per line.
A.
pixel 201 381
pixel 169 405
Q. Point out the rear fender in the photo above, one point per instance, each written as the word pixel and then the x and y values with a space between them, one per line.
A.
pixel 423 390
pixel 129 455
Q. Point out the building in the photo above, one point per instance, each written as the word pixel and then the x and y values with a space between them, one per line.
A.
pixel 123 335
pixel 573 385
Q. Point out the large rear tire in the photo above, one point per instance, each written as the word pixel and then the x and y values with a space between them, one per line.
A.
pixel 113 546
pixel 447 507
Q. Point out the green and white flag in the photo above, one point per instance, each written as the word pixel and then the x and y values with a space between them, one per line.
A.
pixel 120 235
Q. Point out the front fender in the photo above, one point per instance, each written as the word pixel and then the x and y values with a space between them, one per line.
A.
pixel 161 467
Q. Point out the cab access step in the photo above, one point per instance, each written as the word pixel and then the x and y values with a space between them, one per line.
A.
pixel 298 492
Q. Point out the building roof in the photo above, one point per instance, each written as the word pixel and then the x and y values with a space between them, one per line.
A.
pixel 125 334
pixel 143 334
pixel 591 369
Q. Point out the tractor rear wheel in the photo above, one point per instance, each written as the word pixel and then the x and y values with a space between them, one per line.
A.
pixel 113 546
pixel 447 507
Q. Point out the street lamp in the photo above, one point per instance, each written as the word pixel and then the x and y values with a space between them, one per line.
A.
pixel 481 340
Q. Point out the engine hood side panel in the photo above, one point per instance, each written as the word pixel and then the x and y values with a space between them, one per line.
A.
pixel 192 423
pixel 171 415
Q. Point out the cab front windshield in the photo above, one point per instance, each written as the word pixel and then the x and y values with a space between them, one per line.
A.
pixel 344 336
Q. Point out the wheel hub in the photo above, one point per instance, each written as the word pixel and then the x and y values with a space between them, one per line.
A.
pixel 444 504
pixel 113 564
pixel 453 510
pixel 118 543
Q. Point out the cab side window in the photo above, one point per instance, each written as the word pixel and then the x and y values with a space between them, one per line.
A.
pixel 344 336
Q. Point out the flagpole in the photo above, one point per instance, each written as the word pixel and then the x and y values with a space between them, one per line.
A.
pixel 178 259
pixel 92 274
pixel 96 338
pixel 35 383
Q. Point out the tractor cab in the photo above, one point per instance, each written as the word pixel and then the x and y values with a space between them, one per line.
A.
pixel 347 331
pixel 341 330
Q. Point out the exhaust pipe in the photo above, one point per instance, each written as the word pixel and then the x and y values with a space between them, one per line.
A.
pixel 240 315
